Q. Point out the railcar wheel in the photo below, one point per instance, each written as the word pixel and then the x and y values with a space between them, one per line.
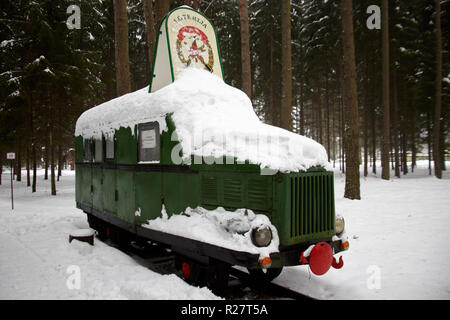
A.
pixel 193 272
pixel 120 237
pixel 266 275
pixel 218 276
pixel 98 225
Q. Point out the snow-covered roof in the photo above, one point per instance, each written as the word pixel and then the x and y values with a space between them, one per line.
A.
pixel 211 119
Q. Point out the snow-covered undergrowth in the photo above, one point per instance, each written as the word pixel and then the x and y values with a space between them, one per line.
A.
pixel 212 119
pixel 227 229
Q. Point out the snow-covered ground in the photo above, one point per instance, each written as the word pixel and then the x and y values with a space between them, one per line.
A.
pixel 37 261
pixel 399 241
pixel 399 236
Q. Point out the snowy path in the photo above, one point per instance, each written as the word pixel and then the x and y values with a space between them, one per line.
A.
pixel 399 236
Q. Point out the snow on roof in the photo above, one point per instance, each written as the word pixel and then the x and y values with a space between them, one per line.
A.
pixel 211 119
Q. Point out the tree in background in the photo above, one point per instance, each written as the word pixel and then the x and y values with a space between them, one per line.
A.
pixel 121 45
pixel 245 49
pixel 39 109
pixel 192 3
pixel 150 33
pixel 286 66
pixel 352 190
pixel 385 146
pixel 438 95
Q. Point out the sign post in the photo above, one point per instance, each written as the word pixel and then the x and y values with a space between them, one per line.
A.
pixel 11 156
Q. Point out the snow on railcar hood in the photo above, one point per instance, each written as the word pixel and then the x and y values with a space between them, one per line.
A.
pixel 212 119
pixel 227 229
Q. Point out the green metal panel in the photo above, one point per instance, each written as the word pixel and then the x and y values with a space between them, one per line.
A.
pixel 229 189
pixel 86 185
pixel 167 144
pixel 148 195
pixel 125 184
pixel 97 188
pixel 78 184
pixel 78 171
pixel 310 211
pixel 109 191
pixel 180 190
pixel 126 146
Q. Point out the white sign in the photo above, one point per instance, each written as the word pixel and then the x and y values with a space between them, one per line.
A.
pixel 148 139
pixel 11 155
pixel 186 39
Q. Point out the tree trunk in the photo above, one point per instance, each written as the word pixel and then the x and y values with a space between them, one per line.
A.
pixel 19 163
pixel 438 95
pixel 46 159
pixel 245 49
pixel 161 8
pixel 328 117
pixel 429 143
pixel 374 138
pixel 28 167
pixel 385 146
pixel 33 186
pixel 191 3
pixel 121 47
pixel 302 106
pixel 352 184
pixel 395 131
pixel 413 140
pixel 342 116
pixel 404 154
pixel 366 118
pixel 52 164
pixel 150 33
pixel 60 164
pixel 286 66
pixel 1 167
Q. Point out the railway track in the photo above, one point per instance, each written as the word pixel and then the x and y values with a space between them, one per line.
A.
pixel 241 286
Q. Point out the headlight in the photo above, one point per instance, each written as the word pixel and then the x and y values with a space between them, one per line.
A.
pixel 340 225
pixel 261 236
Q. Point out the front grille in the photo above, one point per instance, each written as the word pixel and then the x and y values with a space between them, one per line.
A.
pixel 312 204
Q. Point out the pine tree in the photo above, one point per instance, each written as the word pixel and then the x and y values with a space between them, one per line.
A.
pixel 438 97
pixel 385 146
pixel 245 49
pixel 286 66
pixel 121 44
pixel 352 190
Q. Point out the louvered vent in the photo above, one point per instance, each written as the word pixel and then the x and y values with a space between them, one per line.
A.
pixel 209 190
pixel 312 204
pixel 258 195
pixel 232 192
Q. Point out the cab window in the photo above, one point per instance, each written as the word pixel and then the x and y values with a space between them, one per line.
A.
pixel 149 142
pixel 98 149
pixel 109 147
pixel 87 152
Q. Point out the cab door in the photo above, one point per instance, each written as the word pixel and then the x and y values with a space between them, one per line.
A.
pixel 148 174
pixel 86 174
pixel 97 176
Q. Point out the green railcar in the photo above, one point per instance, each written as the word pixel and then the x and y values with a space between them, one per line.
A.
pixel 127 175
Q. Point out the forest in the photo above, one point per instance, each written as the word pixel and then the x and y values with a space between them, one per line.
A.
pixel 369 80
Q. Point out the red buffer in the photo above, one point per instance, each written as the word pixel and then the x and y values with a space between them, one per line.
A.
pixel 321 259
